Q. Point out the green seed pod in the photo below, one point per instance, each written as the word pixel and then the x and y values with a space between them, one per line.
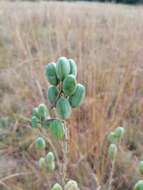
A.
pixel 112 137
pixel 50 157
pixel 112 151
pixel 43 111
pixel 52 94
pixel 78 96
pixel 50 166
pixel 63 108
pixel 51 74
pixel 119 132
pixel 35 112
pixel 42 163
pixel 62 68
pixel 71 185
pixel 57 187
pixel 141 167
pixel 139 185
pixel 69 85
pixel 73 67
pixel 57 129
pixel 40 143
pixel 35 122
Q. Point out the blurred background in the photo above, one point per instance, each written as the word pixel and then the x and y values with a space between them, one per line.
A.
pixel 105 40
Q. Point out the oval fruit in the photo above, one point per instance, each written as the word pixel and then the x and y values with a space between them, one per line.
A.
pixel 35 112
pixel 51 73
pixel 57 187
pixel 112 151
pixel 71 185
pixel 62 68
pixel 119 132
pixel 52 94
pixel 69 85
pixel 42 163
pixel 78 96
pixel 50 157
pixel 112 137
pixel 40 143
pixel 35 122
pixel 139 185
pixel 63 108
pixel 73 67
pixel 42 111
pixel 57 129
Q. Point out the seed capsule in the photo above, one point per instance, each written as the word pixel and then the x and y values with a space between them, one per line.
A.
pixel 112 151
pixel 40 143
pixel 42 163
pixel 51 74
pixel 57 187
pixel 71 185
pixel 119 132
pixel 35 122
pixel 112 137
pixel 139 185
pixel 50 157
pixel 73 67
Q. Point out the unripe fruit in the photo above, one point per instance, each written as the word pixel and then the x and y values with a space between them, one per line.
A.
pixel 119 132
pixel 62 68
pixel 35 112
pixel 57 187
pixel 141 167
pixel 40 143
pixel 42 163
pixel 51 74
pixel 57 129
pixel 112 151
pixel 112 137
pixel 71 185
pixel 69 85
pixel 50 166
pixel 52 94
pixel 139 185
pixel 77 98
pixel 63 108
pixel 50 157
pixel 73 67
pixel 43 111
pixel 35 122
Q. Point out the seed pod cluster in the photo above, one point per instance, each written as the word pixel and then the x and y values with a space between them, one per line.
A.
pixel 47 162
pixel 39 114
pixel 64 93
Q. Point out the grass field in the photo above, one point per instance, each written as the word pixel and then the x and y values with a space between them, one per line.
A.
pixel 106 42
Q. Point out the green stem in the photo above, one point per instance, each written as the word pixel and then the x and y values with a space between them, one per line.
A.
pixel 111 175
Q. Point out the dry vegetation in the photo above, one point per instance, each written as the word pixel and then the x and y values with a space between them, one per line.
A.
pixel 106 42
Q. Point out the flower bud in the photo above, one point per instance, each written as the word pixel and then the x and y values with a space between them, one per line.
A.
pixel 119 132
pixel 141 167
pixel 139 185
pixel 50 157
pixel 112 151
pixel 112 137
pixel 42 163
pixel 57 187
pixel 42 111
pixel 40 143
pixel 71 185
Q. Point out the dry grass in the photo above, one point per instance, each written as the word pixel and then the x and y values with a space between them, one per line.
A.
pixel 106 42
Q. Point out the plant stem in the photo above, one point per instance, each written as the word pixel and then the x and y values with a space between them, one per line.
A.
pixel 65 155
pixel 111 175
